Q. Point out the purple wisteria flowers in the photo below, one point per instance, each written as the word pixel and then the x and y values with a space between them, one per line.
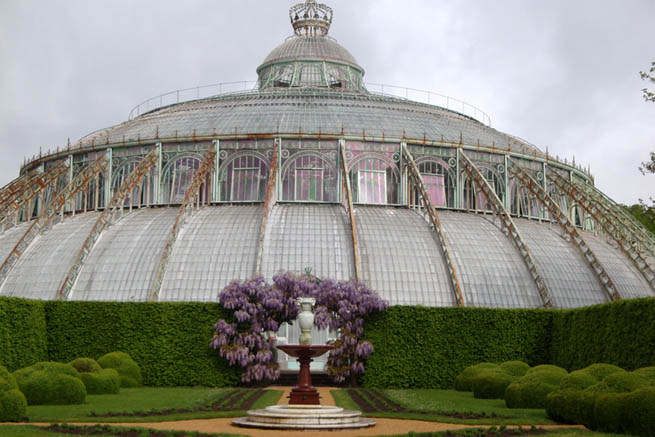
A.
pixel 259 308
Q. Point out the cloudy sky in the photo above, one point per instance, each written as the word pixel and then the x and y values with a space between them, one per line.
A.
pixel 561 74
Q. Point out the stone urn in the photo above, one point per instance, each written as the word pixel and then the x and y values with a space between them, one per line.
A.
pixel 306 319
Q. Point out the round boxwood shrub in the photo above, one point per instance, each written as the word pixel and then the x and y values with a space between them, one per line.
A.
pixel 530 390
pixel 562 405
pixel 85 365
pixel 577 380
pixel 620 382
pixel 106 381
pixel 639 417
pixel 126 367
pixel 547 367
pixel 646 372
pixel 515 368
pixel 601 370
pixel 491 384
pixel 13 406
pixel 49 367
pixel 45 388
pixel 7 380
pixel 464 381
pixel 609 412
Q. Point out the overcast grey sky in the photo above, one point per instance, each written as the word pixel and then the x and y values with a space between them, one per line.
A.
pixel 560 74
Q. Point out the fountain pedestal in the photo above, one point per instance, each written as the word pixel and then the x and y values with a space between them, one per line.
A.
pixel 304 392
pixel 304 410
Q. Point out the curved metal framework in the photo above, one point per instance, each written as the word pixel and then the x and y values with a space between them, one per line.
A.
pixel 435 223
pixel 193 199
pixel 37 187
pixel 608 220
pixel 111 214
pixel 573 235
pixel 56 205
pixel 269 202
pixel 508 227
pixel 347 202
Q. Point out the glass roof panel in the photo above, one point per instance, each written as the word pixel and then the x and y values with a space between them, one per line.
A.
pixel 43 267
pixel 400 258
pixel 123 263
pixel 216 246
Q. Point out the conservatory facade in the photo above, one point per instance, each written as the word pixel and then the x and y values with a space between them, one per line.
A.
pixel 310 171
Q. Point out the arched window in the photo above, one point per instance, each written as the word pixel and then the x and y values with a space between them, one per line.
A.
pixel 438 182
pixel 309 177
pixel 178 175
pixel 243 179
pixel 474 198
pixel 374 181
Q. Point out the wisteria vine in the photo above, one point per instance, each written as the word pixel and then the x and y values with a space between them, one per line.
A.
pixel 259 308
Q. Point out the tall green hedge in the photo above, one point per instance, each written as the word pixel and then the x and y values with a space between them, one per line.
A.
pixel 22 333
pixel 169 341
pixel 429 347
pixel 621 333
pixel 414 346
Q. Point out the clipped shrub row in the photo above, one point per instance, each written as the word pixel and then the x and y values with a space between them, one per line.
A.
pixel 414 346
pixel 606 398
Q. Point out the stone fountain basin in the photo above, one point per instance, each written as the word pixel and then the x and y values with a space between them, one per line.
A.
pixel 304 417
pixel 304 351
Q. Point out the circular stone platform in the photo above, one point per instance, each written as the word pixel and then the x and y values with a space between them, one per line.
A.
pixel 304 417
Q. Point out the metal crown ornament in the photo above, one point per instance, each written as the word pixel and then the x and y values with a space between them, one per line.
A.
pixel 311 18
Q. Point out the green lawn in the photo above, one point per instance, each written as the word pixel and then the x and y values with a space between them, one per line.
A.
pixel 33 431
pixel 144 399
pixel 435 405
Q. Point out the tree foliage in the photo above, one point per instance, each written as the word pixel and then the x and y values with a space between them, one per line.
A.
pixel 649 76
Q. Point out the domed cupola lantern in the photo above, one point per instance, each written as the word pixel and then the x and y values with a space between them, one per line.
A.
pixel 310 58
pixel 311 18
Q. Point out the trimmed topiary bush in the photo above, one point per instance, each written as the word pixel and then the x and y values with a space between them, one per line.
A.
pixel 13 406
pixel 578 380
pixel 50 367
pixel 85 365
pixel 515 368
pixel 7 380
pixel 547 367
pixel 530 390
pixel 464 381
pixel 639 417
pixel 602 370
pixel 491 384
pixel 609 412
pixel 127 368
pixel 621 382
pixel 646 372
pixel 12 402
pixel 98 381
pixel 44 388
pixel 106 381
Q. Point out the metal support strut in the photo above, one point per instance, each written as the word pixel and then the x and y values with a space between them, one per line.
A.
pixel 508 227
pixel 560 217
pixel 56 205
pixel 348 204
pixel 192 198
pixel 37 186
pixel 431 212
pixel 611 222
pixel 270 200
pixel 112 213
